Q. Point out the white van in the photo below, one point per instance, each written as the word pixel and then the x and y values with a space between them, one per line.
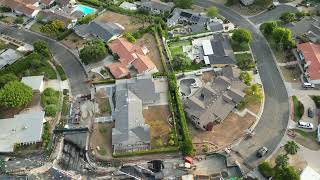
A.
pixel 307 85
pixel 305 125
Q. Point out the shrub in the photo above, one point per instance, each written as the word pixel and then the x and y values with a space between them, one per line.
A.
pixel 19 20
pixel 86 19
pixel 205 148
pixel 246 77
pixel 93 51
pixel 51 110
pixel 129 37
pixel 266 170
pixel 61 72
pixel 15 94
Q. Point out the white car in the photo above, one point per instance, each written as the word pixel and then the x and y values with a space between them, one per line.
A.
pixel 199 73
pixel 305 125
pixel 195 85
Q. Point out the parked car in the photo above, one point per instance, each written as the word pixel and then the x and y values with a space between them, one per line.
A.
pixel 310 113
pixel 307 85
pixel 195 85
pixel 199 73
pixel 305 125
pixel 262 152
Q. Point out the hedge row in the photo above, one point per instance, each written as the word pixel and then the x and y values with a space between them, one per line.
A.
pixel 61 72
pixel 106 81
pixel 148 151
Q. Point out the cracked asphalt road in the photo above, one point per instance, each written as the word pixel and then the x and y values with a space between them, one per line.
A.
pixel 275 116
pixel 70 64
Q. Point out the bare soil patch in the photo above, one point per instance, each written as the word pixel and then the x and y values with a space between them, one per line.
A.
pixel 103 103
pixel 234 125
pixel 149 41
pixel 207 76
pixel 100 140
pixel 294 160
pixel 291 73
pixel 73 41
pixel 156 117
pixel 129 23
pixel 254 107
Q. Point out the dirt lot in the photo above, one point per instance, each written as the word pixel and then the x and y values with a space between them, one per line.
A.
pixel 129 23
pixel 291 74
pixel 218 138
pixel 207 76
pixel 254 107
pixel 294 160
pixel 149 41
pixel 103 103
pixel 73 41
pixel 101 136
pixel 156 117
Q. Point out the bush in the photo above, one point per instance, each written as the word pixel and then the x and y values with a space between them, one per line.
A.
pixel 246 77
pixel 61 72
pixel 51 110
pixel 266 170
pixel 15 94
pixel 205 148
pixel 19 20
pixel 298 108
pixel 93 51
pixel 64 34
pixel 129 37
pixel 86 19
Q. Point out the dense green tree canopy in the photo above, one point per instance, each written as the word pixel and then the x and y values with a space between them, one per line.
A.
pixel 241 36
pixel 184 4
pixel 52 27
pixel 291 147
pixel 288 173
pixel 269 27
pixel 283 37
pixel 15 94
pixel 4 79
pixel 93 51
pixel 282 161
pixel 212 11
pixel 41 47
pixel 288 17
pixel 180 62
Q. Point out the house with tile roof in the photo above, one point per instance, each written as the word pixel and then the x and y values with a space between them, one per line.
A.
pixel 156 6
pixel 47 3
pixel 309 56
pixel 28 8
pixel 130 55
pixel 47 15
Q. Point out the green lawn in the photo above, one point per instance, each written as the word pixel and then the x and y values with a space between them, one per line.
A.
pixel 298 108
pixel 176 47
pixel 36 27
pixel 175 50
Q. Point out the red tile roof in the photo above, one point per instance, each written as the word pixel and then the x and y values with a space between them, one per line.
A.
pixel 131 54
pixel 46 2
pixel 25 7
pixel 311 53
pixel 118 70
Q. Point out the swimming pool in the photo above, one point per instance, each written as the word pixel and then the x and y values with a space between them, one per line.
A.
pixel 84 9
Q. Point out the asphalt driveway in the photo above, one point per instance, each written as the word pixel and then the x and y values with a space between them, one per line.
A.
pixel 70 63
pixel 275 116
pixel 273 14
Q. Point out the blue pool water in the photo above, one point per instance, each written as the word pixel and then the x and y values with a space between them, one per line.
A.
pixel 84 9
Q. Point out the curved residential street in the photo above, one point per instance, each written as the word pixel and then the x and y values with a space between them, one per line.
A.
pixel 275 116
pixel 70 63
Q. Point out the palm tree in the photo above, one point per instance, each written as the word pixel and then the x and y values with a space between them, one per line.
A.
pixel 282 161
pixel 291 147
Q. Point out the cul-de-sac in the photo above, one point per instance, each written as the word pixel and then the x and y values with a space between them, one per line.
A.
pixel 160 89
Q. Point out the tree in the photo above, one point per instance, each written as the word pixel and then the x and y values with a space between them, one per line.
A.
pixel 19 20
pixel 15 94
pixel 241 36
pixel 246 63
pixel 212 11
pixel 184 4
pixel 181 62
pixel 266 170
pixel 288 173
pixel 301 14
pixel 291 147
pixel 255 92
pixel 129 37
pixel 269 27
pixel 4 79
pixel 52 27
pixel 283 37
pixel 41 47
pixel 86 19
pixel 93 51
pixel 282 161
pixel 2 165
pixel 288 17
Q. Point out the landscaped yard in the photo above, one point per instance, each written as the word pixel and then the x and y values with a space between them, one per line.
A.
pixel 307 139
pixel 103 103
pixel 149 41
pixel 130 23
pixel 36 27
pixel 8 20
pixel 156 117
pixel 257 7
pixel 243 56
pixel 176 47
pixel 245 61
pixel 100 141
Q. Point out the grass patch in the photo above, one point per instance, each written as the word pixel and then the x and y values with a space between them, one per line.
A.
pixel 8 20
pixel 176 47
pixel 102 151
pixel 316 100
pixel 175 50
pixel 245 61
pixel 36 27
pixel 148 151
pixel 65 106
pixel 104 106
pixel 298 108
pixel 239 47
pixel 61 72
pixel 311 135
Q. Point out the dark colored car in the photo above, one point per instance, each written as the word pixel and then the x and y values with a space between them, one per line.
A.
pixel 310 113
pixel 262 152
